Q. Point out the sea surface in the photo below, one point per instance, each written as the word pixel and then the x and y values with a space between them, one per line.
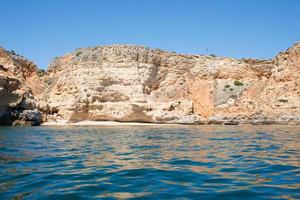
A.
pixel 150 162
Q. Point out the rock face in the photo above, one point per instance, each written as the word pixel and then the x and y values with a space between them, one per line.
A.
pixel 18 83
pixel 132 83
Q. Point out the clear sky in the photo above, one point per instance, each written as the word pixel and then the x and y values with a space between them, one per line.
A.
pixel 43 29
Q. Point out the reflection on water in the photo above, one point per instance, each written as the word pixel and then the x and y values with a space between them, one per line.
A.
pixel 158 162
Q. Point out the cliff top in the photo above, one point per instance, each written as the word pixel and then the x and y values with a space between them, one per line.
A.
pixel 140 48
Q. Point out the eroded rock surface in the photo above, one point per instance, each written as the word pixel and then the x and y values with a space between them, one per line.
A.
pixel 132 83
pixel 18 83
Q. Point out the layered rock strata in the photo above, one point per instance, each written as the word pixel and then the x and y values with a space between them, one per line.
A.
pixel 133 83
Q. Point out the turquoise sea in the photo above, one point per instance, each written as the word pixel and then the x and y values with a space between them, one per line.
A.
pixel 150 162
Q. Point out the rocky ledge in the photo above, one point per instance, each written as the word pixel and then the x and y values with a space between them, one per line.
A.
pixel 136 84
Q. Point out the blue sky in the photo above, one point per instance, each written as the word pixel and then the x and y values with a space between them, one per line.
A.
pixel 43 29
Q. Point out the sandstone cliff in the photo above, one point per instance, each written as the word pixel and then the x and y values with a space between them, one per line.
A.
pixel 18 83
pixel 133 83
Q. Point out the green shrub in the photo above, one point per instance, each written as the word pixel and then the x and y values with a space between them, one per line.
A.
pixel 238 83
pixel 13 52
pixel 227 86
pixel 41 72
pixel 78 53
pixel 231 89
pixel 212 55
pixel 50 81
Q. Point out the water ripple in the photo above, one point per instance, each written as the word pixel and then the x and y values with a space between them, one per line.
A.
pixel 155 162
